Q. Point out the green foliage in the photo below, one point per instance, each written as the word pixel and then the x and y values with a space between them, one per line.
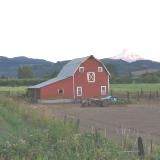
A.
pixel 144 78
pixel 121 79
pixel 113 71
pixel 25 71
pixel 150 78
pixel 3 77
pixel 20 82
pixel 53 74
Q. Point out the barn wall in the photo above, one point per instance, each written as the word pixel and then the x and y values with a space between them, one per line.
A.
pixel 51 91
pixel 91 89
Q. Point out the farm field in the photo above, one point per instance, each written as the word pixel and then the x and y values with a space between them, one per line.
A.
pixel 146 87
pixel 143 117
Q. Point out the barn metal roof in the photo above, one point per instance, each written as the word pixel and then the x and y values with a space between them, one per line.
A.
pixel 67 71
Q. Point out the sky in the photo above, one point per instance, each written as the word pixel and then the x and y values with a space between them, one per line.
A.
pixel 58 30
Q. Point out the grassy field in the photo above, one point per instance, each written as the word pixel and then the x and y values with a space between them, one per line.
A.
pixel 135 87
pixel 13 90
pixel 27 134
pixel 32 134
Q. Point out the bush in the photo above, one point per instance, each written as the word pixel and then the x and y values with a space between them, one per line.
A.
pixel 20 82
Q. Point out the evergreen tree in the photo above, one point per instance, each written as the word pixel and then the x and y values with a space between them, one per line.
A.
pixel 25 72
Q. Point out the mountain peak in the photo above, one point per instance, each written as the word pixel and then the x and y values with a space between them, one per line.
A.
pixel 128 56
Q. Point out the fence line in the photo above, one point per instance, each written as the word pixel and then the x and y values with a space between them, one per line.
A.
pixel 136 95
pixel 126 138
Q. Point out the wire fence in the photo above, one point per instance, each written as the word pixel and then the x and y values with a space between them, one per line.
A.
pixel 137 95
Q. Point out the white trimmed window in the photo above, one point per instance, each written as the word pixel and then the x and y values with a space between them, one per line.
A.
pixel 81 69
pixel 79 91
pixel 100 69
pixel 103 90
pixel 91 76
pixel 60 91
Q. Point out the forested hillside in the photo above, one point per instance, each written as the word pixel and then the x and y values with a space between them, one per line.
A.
pixel 42 68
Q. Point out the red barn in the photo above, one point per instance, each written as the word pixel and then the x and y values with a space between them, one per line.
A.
pixel 79 79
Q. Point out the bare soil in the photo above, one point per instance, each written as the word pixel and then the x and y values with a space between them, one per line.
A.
pixel 142 118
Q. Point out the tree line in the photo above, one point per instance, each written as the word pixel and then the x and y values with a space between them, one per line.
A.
pixel 153 77
pixel 26 77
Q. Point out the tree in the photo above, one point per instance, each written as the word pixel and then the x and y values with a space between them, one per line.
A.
pixel 150 78
pixel 52 74
pixel 3 77
pixel 25 71
pixel 113 71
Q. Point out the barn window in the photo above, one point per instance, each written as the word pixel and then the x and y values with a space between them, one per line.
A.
pixel 103 90
pixel 91 76
pixel 60 91
pixel 100 69
pixel 81 69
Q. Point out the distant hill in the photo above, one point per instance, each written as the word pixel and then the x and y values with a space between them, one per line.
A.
pixel 9 66
pixel 124 67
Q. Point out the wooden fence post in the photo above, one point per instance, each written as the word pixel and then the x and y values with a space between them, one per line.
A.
pixel 77 124
pixel 97 140
pixel 128 96
pixel 142 93
pixel 111 93
pixel 140 147
pixel 150 94
pixel 151 149
pixel 65 119
pixel 138 95
pixel 157 95
pixel 92 130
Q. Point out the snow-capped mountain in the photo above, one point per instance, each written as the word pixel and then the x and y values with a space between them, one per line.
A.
pixel 128 56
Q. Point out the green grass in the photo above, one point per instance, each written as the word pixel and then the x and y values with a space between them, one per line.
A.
pixel 135 87
pixel 13 90
pixel 28 134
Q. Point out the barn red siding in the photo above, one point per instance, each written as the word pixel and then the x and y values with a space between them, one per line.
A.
pixel 91 89
pixel 51 91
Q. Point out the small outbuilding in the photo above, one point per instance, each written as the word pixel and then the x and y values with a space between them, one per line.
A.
pixel 79 79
